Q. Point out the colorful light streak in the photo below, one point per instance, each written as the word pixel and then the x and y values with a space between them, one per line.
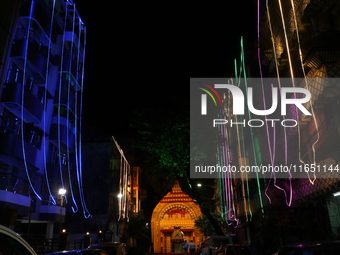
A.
pixel 284 130
pixel 45 106
pixel 251 129
pixel 224 160
pixel 292 75
pixel 304 75
pixel 59 106
pixel 68 118
pixel 120 187
pixel 75 115
pixel 80 178
pixel 22 104
pixel 79 171
pixel 271 151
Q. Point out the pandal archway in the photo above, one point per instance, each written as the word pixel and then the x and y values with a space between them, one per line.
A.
pixel 176 210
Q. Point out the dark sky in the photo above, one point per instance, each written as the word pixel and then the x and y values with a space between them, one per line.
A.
pixel 142 53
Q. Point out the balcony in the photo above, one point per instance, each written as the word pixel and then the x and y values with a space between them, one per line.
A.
pixel 70 38
pixel 67 77
pixel 38 15
pixel 11 151
pixel 70 67
pixel 15 201
pixel 52 213
pixel 64 98
pixel 64 132
pixel 36 62
pixel 12 99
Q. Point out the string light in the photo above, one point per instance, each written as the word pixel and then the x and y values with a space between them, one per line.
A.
pixel 120 188
pixel 68 117
pixel 227 183
pixel 76 113
pixel 284 130
pixel 307 85
pixel 59 104
pixel 271 151
pixel 45 106
pixel 22 104
pixel 292 76
pixel 251 129
pixel 80 177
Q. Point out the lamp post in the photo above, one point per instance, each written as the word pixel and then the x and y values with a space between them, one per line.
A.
pixel 61 193
pixel 200 185
pixel 63 235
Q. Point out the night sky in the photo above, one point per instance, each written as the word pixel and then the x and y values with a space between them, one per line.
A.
pixel 142 53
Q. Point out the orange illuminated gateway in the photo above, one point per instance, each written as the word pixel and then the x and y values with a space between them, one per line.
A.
pixel 173 219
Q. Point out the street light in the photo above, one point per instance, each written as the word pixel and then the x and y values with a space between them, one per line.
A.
pixel 120 195
pixel 336 194
pixel 200 185
pixel 62 192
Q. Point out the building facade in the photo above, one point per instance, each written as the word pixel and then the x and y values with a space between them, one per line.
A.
pixel 115 192
pixel 41 91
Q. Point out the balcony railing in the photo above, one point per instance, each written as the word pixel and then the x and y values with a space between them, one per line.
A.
pixel 35 54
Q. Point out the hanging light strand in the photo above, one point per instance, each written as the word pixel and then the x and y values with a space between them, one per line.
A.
pixel 59 103
pixel 45 108
pixel 75 207
pixel 22 105
pixel 307 85
pixel 86 213
pixel 284 130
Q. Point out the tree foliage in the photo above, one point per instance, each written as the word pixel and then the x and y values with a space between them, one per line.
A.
pixel 164 135
pixel 205 226
pixel 164 145
pixel 139 231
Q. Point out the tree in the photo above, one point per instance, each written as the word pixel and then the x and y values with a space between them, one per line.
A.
pixel 204 225
pixel 139 231
pixel 164 150
pixel 164 134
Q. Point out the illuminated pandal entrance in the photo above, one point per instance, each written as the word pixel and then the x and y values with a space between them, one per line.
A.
pixel 174 219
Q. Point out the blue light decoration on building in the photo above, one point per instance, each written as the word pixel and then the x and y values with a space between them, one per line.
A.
pixel 41 97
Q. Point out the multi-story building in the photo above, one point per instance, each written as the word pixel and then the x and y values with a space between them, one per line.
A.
pixel 138 194
pixel 115 192
pixel 41 90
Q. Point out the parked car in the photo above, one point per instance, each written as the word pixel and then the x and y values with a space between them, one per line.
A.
pixel 111 248
pixel 12 243
pixel 316 248
pixel 80 252
pixel 234 249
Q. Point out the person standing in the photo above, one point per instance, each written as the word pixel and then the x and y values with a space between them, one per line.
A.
pixel 205 250
pixel 185 248
pixel 192 248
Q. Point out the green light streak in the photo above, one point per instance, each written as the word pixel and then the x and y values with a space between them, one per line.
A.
pixel 251 131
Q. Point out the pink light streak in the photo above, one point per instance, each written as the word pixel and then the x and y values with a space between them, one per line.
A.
pixel 271 151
